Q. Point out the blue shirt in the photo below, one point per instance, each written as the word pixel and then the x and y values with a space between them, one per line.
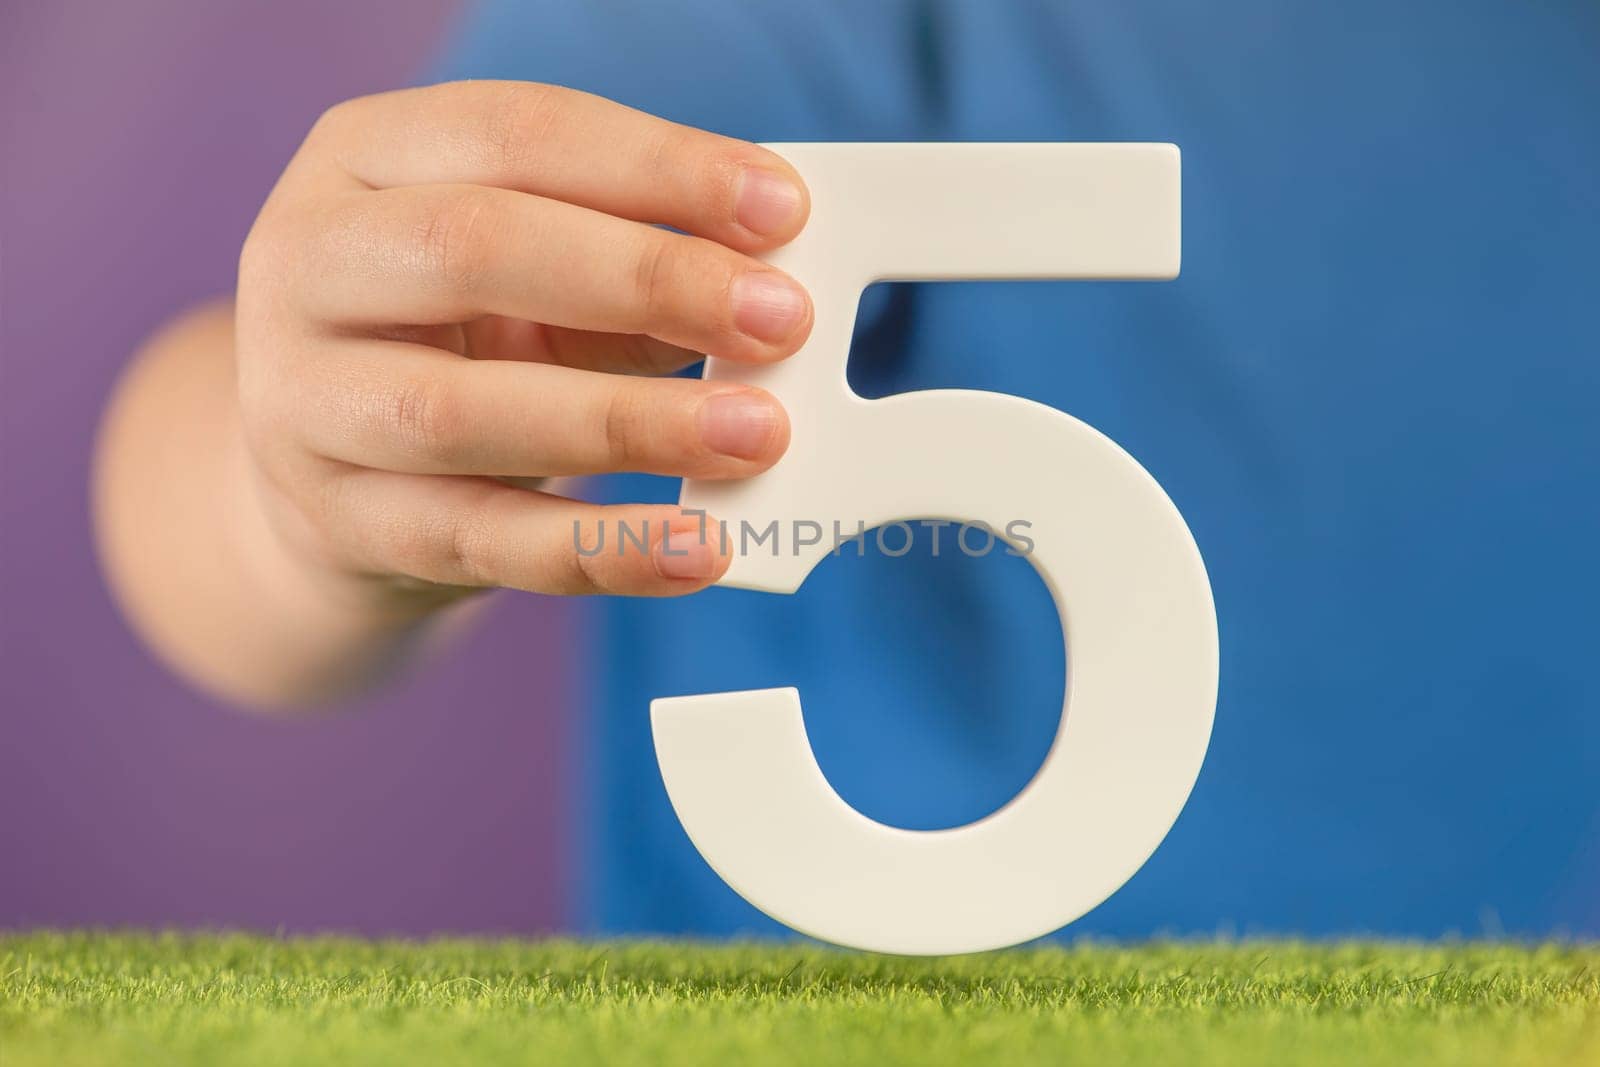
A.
pixel 1373 394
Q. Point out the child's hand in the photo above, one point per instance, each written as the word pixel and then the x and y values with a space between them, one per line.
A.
pixel 458 284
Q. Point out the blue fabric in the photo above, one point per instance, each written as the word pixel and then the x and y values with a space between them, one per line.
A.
pixel 1373 394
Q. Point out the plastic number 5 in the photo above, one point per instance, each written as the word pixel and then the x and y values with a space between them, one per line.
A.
pixel 1127 579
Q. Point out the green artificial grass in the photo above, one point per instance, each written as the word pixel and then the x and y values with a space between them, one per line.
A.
pixel 89 998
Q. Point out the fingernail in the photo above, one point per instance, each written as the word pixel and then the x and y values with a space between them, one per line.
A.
pixel 739 424
pixel 765 202
pixel 767 305
pixel 686 553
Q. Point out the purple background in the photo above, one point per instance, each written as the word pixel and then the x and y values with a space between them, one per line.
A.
pixel 139 141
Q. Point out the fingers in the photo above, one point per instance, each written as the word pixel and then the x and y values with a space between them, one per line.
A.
pixel 478 532
pixel 446 253
pixel 424 412
pixel 572 146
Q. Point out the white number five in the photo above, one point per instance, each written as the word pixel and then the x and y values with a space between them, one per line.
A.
pixel 1128 581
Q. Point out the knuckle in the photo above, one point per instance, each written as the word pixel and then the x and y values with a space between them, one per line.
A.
pixel 588 574
pixel 700 167
pixel 661 152
pixel 685 282
pixel 421 414
pixel 268 411
pixel 333 514
pixel 720 174
pixel 519 121
pixel 449 240
pixel 274 241
pixel 672 154
pixel 295 245
pixel 714 293
pixel 469 547
pixel 330 510
pixel 623 425
pixel 278 384
pixel 335 119
pixel 653 274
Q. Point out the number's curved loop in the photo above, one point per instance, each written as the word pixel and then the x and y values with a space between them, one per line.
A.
pixel 1125 573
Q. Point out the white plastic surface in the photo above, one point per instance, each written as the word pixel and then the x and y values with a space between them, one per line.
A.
pixel 1127 578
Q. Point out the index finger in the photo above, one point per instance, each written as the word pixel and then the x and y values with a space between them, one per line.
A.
pixel 572 146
